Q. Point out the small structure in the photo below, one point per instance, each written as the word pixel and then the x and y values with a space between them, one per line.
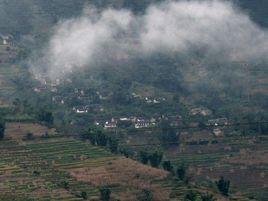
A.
pixel 124 119
pixel 97 123
pixel 5 39
pixel 175 121
pixel 217 132
pixel 110 124
pixel 58 100
pixel 39 89
pixel 80 109
pixel 218 122
pixel 200 111
pixel 155 101
pixel 142 123
pixel 134 95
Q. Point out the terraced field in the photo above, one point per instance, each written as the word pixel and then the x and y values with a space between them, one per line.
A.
pixel 61 168
pixel 242 160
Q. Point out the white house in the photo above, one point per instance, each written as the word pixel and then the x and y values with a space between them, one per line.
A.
pixel 142 123
pixel 110 124
pixel 80 110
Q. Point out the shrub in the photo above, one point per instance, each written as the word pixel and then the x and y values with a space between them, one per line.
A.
pixel 2 129
pixel 65 185
pixel 191 196
pixel 223 186
pixel 144 157
pixel 29 136
pixel 156 158
pixel 84 195
pixel 105 193
pixel 208 197
pixel 167 166
pixel 145 195
pixel 181 172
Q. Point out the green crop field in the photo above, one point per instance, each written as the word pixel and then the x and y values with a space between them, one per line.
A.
pixel 37 170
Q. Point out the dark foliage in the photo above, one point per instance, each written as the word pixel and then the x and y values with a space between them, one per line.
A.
pixel 223 186
pixel 156 158
pixel 167 166
pixel 2 129
pixel 145 195
pixel 181 172
pixel 105 193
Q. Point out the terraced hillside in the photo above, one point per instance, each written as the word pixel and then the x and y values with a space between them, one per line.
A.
pixel 241 159
pixel 8 72
pixel 56 167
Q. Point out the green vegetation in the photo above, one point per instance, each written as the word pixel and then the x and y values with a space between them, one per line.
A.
pixel 105 193
pixel 154 158
pixel 161 91
pixel 223 186
pixel 2 129
pixel 145 195
pixel 208 197
pixel 167 166
pixel 46 116
pixel 181 172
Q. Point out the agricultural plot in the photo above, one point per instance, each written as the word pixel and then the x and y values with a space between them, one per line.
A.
pixel 7 86
pixel 242 160
pixel 62 168
pixel 18 131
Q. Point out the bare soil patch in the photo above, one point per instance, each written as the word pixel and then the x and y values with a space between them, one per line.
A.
pixel 19 130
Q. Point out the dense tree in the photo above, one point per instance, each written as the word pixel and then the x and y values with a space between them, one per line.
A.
pixel 168 134
pixel 105 193
pixel 84 195
pixel 46 116
pixel 192 196
pixel 181 172
pixel 208 197
pixel 101 138
pixel 90 135
pixel 223 186
pixel 113 145
pixel 29 136
pixel 65 185
pixel 167 166
pixel 156 158
pixel 2 129
pixel 126 152
pixel 145 195
pixel 144 157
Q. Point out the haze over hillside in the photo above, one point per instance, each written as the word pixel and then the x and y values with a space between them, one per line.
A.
pixel 216 30
pixel 147 100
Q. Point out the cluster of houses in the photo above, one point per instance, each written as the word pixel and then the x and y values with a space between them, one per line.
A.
pixel 140 122
pixel 200 111
pixel 136 122
pixel 86 105
pixel 149 100
pixel 218 122
pixel 83 109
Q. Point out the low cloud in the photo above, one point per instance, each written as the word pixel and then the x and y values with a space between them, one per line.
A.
pixel 217 28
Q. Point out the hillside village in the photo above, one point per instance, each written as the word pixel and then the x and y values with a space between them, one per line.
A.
pixel 170 127
pixel 82 102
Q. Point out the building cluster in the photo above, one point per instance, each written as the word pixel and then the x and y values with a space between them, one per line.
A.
pixel 149 100
pixel 218 122
pixel 136 122
pixel 200 111
pixel 139 122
